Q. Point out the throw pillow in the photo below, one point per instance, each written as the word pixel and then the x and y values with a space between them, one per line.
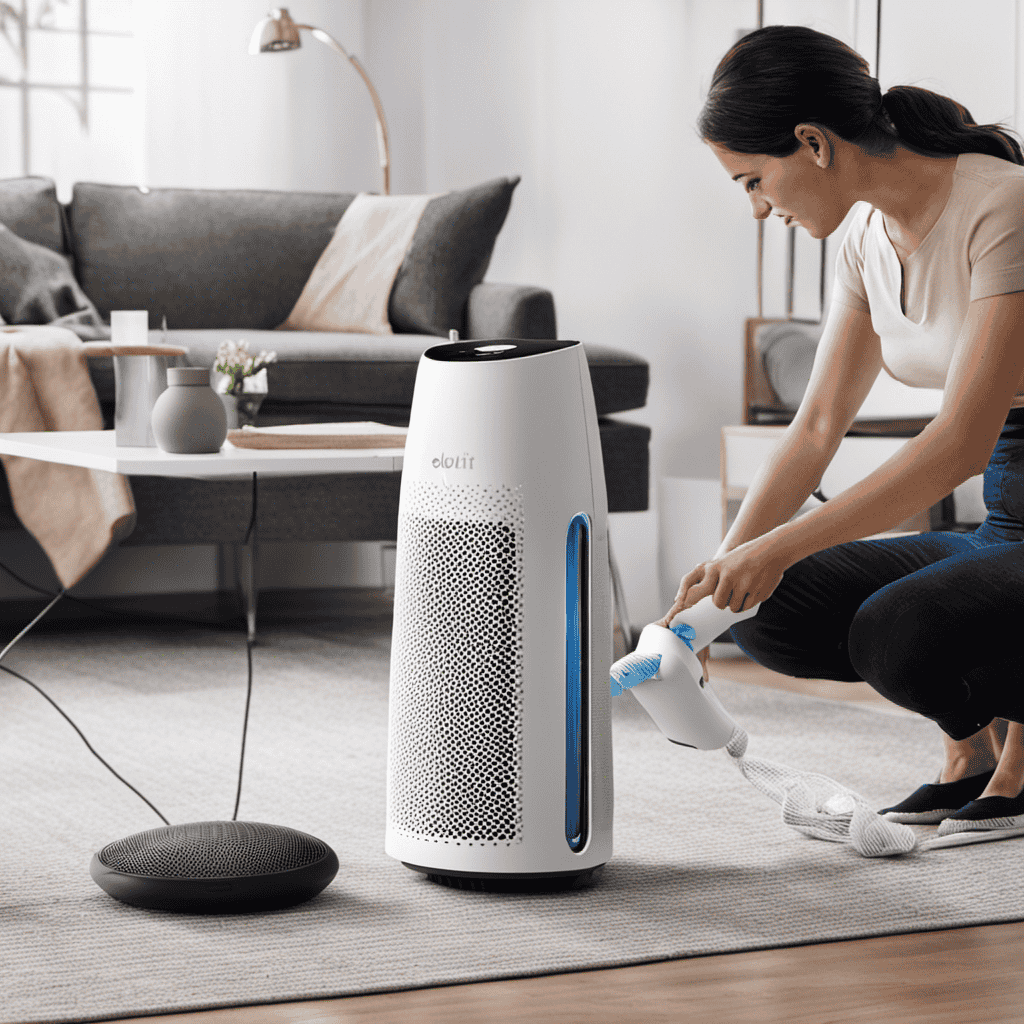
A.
pixel 38 287
pixel 449 256
pixel 349 285
pixel 787 351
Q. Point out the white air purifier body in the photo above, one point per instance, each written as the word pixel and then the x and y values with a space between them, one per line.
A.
pixel 499 769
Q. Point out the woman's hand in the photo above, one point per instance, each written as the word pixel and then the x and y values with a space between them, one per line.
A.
pixel 739 579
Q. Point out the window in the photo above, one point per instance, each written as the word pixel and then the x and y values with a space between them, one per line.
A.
pixel 69 100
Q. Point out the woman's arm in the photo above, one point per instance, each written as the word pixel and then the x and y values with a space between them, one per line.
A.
pixel 987 365
pixel 846 363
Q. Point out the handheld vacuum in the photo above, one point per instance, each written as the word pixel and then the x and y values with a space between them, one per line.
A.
pixel 665 676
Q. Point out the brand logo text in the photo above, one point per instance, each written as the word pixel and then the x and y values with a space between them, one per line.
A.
pixel 464 461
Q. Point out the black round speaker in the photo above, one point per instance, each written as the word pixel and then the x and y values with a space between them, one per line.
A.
pixel 215 867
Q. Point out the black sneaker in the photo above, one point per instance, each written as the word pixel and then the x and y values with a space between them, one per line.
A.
pixel 936 801
pixel 988 814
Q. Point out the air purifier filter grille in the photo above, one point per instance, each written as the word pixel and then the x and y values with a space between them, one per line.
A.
pixel 455 764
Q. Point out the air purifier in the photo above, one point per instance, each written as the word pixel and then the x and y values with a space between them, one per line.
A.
pixel 499 769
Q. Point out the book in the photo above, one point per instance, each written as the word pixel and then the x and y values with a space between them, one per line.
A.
pixel 320 435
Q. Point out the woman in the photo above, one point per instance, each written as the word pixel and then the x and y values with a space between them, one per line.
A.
pixel 929 286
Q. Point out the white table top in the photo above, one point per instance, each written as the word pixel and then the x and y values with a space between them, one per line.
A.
pixel 95 449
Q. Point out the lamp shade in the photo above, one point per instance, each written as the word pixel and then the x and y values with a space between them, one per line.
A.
pixel 276 31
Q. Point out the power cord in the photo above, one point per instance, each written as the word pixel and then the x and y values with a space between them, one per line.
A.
pixel 145 616
pixel 46 696
pixel 249 533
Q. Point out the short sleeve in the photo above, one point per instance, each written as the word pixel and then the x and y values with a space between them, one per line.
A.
pixel 848 286
pixel 995 246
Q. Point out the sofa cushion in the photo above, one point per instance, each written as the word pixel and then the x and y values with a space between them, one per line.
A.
pixel 321 369
pixel 449 255
pixel 240 259
pixel 202 258
pixel 29 207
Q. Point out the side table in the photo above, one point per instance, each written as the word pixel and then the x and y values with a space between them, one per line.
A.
pixel 97 449
pixel 746 447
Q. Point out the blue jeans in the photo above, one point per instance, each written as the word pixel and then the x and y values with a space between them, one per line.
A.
pixel 933 622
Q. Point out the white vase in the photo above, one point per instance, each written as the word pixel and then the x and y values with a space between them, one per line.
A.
pixel 231 408
pixel 241 409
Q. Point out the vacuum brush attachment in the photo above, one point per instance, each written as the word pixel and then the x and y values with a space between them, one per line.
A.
pixel 676 697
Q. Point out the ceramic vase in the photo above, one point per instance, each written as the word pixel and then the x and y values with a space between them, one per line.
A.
pixel 189 417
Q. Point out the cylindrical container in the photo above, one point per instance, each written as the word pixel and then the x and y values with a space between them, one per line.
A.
pixel 499 743
pixel 129 326
pixel 138 379
pixel 138 382
pixel 189 418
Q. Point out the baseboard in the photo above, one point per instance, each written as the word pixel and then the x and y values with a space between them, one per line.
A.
pixel 221 609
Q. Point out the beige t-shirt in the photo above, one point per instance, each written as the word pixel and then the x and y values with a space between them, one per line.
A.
pixel 975 249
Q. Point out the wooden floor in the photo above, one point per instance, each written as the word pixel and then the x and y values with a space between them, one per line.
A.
pixel 961 976
pixel 967 976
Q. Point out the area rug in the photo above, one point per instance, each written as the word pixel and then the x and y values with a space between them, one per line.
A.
pixel 702 862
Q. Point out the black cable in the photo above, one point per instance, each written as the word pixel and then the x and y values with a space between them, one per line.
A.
pixel 148 616
pixel 41 692
pixel 251 529
pixel 250 532
pixel 81 734
pixel 245 728
pixel 145 616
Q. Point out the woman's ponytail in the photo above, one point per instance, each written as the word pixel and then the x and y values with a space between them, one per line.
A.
pixel 783 75
pixel 936 124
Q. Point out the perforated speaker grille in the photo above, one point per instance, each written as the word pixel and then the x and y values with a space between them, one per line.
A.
pixel 213 849
pixel 455 756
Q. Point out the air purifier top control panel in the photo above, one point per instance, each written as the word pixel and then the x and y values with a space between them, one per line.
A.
pixel 500 348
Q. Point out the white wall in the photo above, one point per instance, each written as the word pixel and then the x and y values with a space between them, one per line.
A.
pixel 217 117
pixel 622 212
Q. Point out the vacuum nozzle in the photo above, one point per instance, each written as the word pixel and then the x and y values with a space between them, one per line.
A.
pixel 683 707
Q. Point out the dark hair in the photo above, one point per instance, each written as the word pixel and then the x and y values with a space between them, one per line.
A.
pixel 783 75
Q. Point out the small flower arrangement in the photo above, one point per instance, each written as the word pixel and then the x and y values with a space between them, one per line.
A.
pixel 241 373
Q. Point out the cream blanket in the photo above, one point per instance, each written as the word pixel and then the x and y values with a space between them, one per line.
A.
pixel 351 283
pixel 75 514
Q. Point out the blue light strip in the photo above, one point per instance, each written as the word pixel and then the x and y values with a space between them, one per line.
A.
pixel 577 678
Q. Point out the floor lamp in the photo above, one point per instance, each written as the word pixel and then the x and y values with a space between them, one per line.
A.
pixel 278 32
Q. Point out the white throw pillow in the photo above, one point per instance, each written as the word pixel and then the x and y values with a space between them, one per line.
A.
pixel 350 285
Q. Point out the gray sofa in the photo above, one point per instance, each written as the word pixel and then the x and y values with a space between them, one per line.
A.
pixel 231 264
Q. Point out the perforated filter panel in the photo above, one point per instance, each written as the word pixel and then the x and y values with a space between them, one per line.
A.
pixel 214 849
pixel 455 756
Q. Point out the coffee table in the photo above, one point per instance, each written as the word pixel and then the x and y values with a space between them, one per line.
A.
pixel 96 449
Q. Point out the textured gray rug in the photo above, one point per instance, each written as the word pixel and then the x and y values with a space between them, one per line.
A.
pixel 702 861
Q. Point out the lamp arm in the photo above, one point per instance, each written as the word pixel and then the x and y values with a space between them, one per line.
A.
pixel 382 129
